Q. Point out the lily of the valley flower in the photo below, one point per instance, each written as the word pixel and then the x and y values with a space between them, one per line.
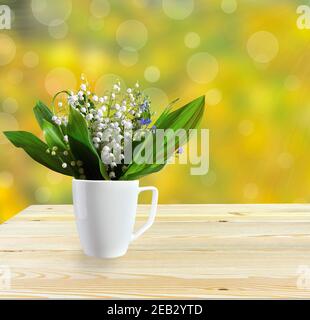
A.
pixel 110 119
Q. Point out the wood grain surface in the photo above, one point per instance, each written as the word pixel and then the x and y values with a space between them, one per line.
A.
pixel 192 251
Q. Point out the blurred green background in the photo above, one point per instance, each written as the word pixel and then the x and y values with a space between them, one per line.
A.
pixel 248 58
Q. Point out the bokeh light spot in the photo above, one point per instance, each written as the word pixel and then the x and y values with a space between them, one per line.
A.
pixel 229 6
pixel 158 98
pixel 59 79
pixel 9 105
pixel 7 123
pixel 128 57
pixel 6 179
pixel 131 34
pixel 152 74
pixel 58 31
pixel 30 59
pixel 178 9
pixel 106 82
pixel 51 12
pixel 7 49
pixel 202 67
pixel 213 97
pixel 192 40
pixel 209 179
pixel 262 46
pixel 100 8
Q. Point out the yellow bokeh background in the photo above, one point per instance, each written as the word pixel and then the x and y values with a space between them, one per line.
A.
pixel 248 57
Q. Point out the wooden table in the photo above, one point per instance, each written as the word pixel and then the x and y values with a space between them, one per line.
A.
pixel 192 251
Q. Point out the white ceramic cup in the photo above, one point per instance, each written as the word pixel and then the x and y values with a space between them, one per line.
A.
pixel 105 214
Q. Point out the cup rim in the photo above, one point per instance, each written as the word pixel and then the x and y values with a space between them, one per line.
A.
pixel 105 181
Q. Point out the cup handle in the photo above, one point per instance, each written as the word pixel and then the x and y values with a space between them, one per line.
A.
pixel 152 214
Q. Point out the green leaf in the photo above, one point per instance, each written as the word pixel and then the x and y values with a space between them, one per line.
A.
pixel 52 135
pixel 82 147
pixel 144 171
pixel 165 112
pixel 36 149
pixel 188 117
pixel 42 112
pixel 179 119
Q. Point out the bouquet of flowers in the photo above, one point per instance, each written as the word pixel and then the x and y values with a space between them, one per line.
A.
pixel 89 136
